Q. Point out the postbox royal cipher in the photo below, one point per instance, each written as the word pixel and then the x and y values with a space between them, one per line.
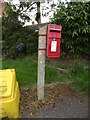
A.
pixel 53 40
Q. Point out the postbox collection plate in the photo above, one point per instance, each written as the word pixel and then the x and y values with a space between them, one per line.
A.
pixel 53 40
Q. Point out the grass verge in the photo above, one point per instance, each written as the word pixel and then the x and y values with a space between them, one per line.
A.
pixel 79 77
pixel 26 73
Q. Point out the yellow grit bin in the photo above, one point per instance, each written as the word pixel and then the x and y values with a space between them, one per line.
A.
pixel 9 94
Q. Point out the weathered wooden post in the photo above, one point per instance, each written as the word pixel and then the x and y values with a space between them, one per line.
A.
pixel 41 62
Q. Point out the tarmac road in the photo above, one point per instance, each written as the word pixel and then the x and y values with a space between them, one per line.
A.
pixel 66 106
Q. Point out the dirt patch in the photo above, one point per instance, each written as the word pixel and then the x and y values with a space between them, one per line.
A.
pixel 53 92
pixel 68 62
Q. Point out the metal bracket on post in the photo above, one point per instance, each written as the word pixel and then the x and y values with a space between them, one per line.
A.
pixel 41 48
pixel 42 35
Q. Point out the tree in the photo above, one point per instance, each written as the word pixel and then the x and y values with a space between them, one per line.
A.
pixel 38 17
pixel 74 18
pixel 24 9
pixel 13 33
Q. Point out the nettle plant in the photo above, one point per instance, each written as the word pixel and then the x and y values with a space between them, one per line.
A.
pixel 74 18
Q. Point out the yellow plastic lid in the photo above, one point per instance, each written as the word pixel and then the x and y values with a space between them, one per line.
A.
pixel 6 82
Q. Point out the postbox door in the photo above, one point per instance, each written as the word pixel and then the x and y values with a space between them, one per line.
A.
pixel 53 47
pixel 53 40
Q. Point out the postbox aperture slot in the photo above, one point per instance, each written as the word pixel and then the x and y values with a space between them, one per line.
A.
pixel 54 30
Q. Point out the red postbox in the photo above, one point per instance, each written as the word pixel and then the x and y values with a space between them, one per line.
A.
pixel 53 40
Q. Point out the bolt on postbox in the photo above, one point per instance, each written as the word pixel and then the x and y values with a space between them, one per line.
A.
pixel 53 40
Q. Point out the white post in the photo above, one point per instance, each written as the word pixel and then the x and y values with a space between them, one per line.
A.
pixel 41 62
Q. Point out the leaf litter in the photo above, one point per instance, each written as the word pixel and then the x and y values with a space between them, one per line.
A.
pixel 53 92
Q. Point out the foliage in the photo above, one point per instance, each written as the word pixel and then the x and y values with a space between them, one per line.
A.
pixel 24 9
pixel 74 18
pixel 13 34
pixel 29 11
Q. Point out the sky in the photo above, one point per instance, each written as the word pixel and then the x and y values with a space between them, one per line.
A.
pixel 32 14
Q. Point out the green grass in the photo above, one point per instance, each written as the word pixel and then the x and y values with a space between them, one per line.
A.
pixel 53 75
pixel 26 70
pixel 26 73
pixel 79 77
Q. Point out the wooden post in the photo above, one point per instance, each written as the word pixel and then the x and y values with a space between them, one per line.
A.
pixel 41 62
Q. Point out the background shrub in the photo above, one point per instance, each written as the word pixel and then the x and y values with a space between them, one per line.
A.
pixel 74 18
pixel 13 33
